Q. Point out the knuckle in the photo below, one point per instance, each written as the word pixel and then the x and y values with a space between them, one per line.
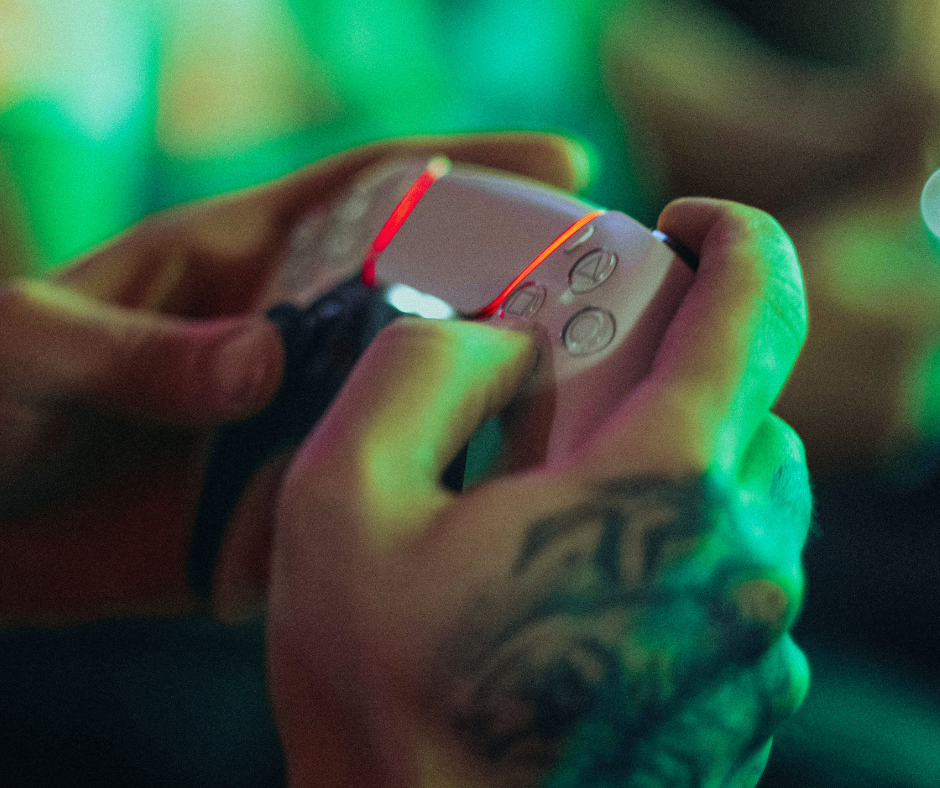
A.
pixel 790 489
pixel 784 675
pixel 774 505
pixel 785 438
pixel 410 329
pixel 786 301
pixel 783 289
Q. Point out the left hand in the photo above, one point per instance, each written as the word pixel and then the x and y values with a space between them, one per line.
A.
pixel 114 372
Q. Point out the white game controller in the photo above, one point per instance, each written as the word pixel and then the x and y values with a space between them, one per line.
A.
pixel 601 287
pixel 445 240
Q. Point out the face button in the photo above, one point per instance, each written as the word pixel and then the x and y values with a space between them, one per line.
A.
pixel 589 331
pixel 579 238
pixel 592 270
pixel 525 301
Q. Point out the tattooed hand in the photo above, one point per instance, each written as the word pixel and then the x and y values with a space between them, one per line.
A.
pixel 618 620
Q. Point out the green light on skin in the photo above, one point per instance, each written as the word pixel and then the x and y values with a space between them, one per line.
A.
pixel 448 374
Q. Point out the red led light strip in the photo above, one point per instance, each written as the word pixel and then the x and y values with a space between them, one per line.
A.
pixel 491 308
pixel 436 168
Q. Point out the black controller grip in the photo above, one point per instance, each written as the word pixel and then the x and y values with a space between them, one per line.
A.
pixel 322 343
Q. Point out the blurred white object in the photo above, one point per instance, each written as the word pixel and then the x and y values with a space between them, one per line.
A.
pixel 414 302
pixel 930 203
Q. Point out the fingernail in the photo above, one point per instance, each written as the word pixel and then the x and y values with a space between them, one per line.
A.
pixel 514 323
pixel 761 601
pixel 243 365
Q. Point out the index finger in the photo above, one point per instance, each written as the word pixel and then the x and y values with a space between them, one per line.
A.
pixel 735 338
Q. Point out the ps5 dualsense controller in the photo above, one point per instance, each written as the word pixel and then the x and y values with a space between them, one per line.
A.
pixel 448 240
pixel 600 287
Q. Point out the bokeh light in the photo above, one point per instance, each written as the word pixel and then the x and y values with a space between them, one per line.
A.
pixel 930 203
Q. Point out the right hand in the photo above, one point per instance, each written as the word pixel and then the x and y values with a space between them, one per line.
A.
pixel 622 615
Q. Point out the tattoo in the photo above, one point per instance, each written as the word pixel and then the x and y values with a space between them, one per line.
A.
pixel 611 642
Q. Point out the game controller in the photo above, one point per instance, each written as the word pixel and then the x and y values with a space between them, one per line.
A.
pixel 600 287
pixel 443 239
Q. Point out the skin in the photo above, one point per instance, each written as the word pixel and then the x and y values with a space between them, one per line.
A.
pixel 838 151
pixel 114 372
pixel 617 618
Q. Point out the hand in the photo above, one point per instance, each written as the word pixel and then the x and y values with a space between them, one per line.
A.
pixel 839 154
pixel 114 372
pixel 621 618
pixel 865 395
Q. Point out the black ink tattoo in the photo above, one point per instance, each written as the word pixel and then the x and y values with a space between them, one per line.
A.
pixel 612 639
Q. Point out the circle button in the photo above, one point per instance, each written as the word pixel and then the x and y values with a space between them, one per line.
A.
pixel 592 270
pixel 589 331
pixel 525 301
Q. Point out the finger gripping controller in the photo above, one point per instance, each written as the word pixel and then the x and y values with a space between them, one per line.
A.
pixel 425 235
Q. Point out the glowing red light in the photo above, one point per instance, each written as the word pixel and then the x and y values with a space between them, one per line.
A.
pixel 491 308
pixel 436 168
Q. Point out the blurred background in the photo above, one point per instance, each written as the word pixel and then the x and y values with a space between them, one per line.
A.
pixel 824 114
pixel 111 110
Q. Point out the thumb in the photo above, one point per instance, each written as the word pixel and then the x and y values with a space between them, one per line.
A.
pixel 410 404
pixel 59 345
